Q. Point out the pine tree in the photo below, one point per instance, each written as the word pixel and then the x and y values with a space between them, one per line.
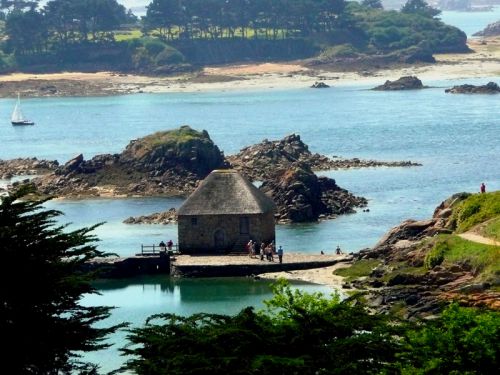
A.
pixel 42 322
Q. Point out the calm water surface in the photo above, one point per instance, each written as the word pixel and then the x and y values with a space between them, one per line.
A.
pixel 471 22
pixel 137 299
pixel 455 137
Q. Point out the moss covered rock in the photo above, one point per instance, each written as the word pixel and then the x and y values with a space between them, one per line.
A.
pixel 180 149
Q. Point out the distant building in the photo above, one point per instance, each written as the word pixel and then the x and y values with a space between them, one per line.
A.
pixel 223 214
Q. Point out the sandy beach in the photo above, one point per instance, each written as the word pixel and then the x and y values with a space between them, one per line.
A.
pixel 323 276
pixel 483 62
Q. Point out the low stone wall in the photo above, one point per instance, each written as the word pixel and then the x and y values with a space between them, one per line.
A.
pixel 232 266
pixel 114 268
pixel 207 266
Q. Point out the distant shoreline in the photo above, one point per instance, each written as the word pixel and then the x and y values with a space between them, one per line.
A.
pixel 483 62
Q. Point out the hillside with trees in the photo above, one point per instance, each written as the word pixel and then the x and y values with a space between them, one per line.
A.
pixel 176 35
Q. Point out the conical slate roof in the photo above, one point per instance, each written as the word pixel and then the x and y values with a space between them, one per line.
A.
pixel 226 192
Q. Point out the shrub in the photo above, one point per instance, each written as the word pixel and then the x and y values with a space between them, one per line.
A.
pixel 476 209
pixel 141 59
pixel 462 341
pixel 436 256
pixel 153 46
pixel 169 55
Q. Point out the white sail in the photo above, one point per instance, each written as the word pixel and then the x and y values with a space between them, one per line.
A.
pixel 17 114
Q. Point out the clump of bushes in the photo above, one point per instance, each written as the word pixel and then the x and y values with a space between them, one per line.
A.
pixel 150 54
pixel 476 209
pixel 436 255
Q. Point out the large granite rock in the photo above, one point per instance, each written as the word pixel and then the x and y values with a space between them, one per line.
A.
pixel 301 196
pixel 489 88
pixel 180 149
pixel 170 162
pixel 403 83
pixel 319 85
pixel 493 29
pixel 165 217
pixel 411 231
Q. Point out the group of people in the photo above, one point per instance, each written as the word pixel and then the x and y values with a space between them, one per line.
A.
pixel 338 251
pixel 168 246
pixel 268 251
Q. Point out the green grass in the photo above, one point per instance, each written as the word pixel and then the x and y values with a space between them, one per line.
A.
pixel 181 135
pixel 484 259
pixel 476 209
pixel 174 137
pixel 492 229
pixel 358 269
pixel 123 35
pixel 403 269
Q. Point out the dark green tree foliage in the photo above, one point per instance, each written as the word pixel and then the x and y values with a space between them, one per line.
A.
pixel 27 31
pixel 298 334
pixel 235 18
pixel 420 7
pixel 77 20
pixel 463 341
pixel 41 284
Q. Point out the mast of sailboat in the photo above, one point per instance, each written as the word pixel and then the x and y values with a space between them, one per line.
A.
pixel 17 115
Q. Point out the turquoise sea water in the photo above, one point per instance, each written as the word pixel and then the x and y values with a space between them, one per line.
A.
pixel 455 137
pixel 471 22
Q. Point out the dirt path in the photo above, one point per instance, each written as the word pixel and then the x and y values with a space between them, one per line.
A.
pixel 474 237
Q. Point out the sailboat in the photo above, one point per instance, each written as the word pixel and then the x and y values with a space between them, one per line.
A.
pixel 17 115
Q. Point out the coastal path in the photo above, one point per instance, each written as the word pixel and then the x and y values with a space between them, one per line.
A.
pixel 474 237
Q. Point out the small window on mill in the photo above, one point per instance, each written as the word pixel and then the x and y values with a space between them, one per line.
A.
pixel 194 221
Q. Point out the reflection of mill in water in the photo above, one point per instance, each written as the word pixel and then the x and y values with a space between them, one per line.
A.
pixel 204 290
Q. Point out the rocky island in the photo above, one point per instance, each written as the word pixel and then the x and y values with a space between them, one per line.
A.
pixel 171 163
pixel 163 163
pixel 262 160
pixel 403 83
pixel 489 88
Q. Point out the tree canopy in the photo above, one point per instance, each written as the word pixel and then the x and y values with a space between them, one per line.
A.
pixel 41 284
pixel 420 7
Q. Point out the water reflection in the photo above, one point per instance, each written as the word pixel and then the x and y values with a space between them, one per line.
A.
pixel 138 298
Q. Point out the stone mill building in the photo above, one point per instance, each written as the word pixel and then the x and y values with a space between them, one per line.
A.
pixel 223 214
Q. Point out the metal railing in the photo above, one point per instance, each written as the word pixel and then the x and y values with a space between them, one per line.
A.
pixel 157 249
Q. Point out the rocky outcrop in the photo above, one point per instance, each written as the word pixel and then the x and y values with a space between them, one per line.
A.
pixel 262 160
pixel 174 161
pixel 170 162
pixel 401 281
pixel 401 240
pixel 25 166
pixel 403 83
pixel 489 88
pixel 183 149
pixel 493 29
pixel 166 217
pixel 301 196
pixel 319 85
